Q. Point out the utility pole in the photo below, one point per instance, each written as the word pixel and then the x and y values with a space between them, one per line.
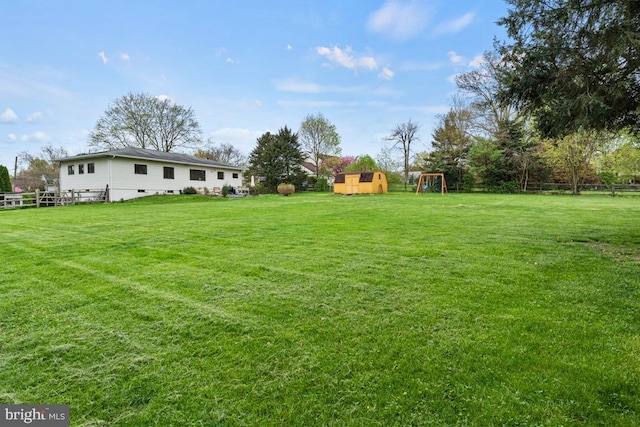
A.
pixel 15 174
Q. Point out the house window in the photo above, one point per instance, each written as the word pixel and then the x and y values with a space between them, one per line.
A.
pixel 220 175
pixel 140 169
pixel 196 175
pixel 168 172
pixel 235 176
pixel 91 167
pixel 80 169
pixel 70 170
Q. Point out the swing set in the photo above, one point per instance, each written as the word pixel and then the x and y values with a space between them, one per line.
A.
pixel 432 182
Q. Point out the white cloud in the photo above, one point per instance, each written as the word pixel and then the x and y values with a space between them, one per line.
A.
pixel 255 104
pixel 289 47
pixel 12 137
pixel 347 59
pixel 230 60
pixel 163 98
pixel 36 137
pixel 455 58
pixel 455 25
pixel 478 61
pixel 9 116
pixel 219 51
pixel 125 57
pixel 35 117
pixel 103 56
pixel 386 74
pixel 400 21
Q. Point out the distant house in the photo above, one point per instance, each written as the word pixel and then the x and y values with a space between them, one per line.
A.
pixel 136 172
pixel 309 168
pixel 360 183
pixel 50 183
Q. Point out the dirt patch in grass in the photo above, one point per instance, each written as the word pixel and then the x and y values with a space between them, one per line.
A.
pixel 619 253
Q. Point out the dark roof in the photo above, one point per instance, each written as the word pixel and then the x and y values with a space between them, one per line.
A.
pixel 310 166
pixel 364 177
pixel 142 153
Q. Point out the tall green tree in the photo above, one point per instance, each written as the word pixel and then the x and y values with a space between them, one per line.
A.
pixel 277 158
pixel 573 64
pixel 319 139
pixel 486 162
pixel 450 144
pixel 621 159
pixel 5 180
pixel 573 154
pixel 527 156
pixel 144 121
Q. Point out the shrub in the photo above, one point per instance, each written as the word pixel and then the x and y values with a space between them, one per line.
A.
pixel 286 189
pixel 225 190
pixel 321 185
pixel 189 190
pixel 508 187
pixel 468 183
pixel 311 181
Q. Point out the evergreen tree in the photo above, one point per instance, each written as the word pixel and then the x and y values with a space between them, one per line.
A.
pixel 5 180
pixel 451 142
pixel 573 64
pixel 277 159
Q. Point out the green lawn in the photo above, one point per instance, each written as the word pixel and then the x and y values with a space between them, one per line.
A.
pixel 324 310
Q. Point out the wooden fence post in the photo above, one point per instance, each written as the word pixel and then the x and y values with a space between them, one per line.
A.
pixel 73 197
pixel 37 197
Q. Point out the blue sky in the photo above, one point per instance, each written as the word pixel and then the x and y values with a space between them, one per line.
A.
pixel 244 67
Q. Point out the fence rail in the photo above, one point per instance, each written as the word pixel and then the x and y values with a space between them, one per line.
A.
pixel 586 189
pixel 561 188
pixel 39 199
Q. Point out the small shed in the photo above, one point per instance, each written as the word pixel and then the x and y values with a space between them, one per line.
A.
pixel 360 183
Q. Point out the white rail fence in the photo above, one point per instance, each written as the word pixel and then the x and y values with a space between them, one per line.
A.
pixel 39 198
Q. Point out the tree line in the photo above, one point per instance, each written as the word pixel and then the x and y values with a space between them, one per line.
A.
pixel 559 102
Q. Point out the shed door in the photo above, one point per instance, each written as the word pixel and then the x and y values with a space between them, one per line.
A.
pixel 351 182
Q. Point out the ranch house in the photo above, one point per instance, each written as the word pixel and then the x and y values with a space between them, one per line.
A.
pixel 136 172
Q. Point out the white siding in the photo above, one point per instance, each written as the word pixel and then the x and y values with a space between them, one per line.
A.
pixel 86 181
pixel 124 183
